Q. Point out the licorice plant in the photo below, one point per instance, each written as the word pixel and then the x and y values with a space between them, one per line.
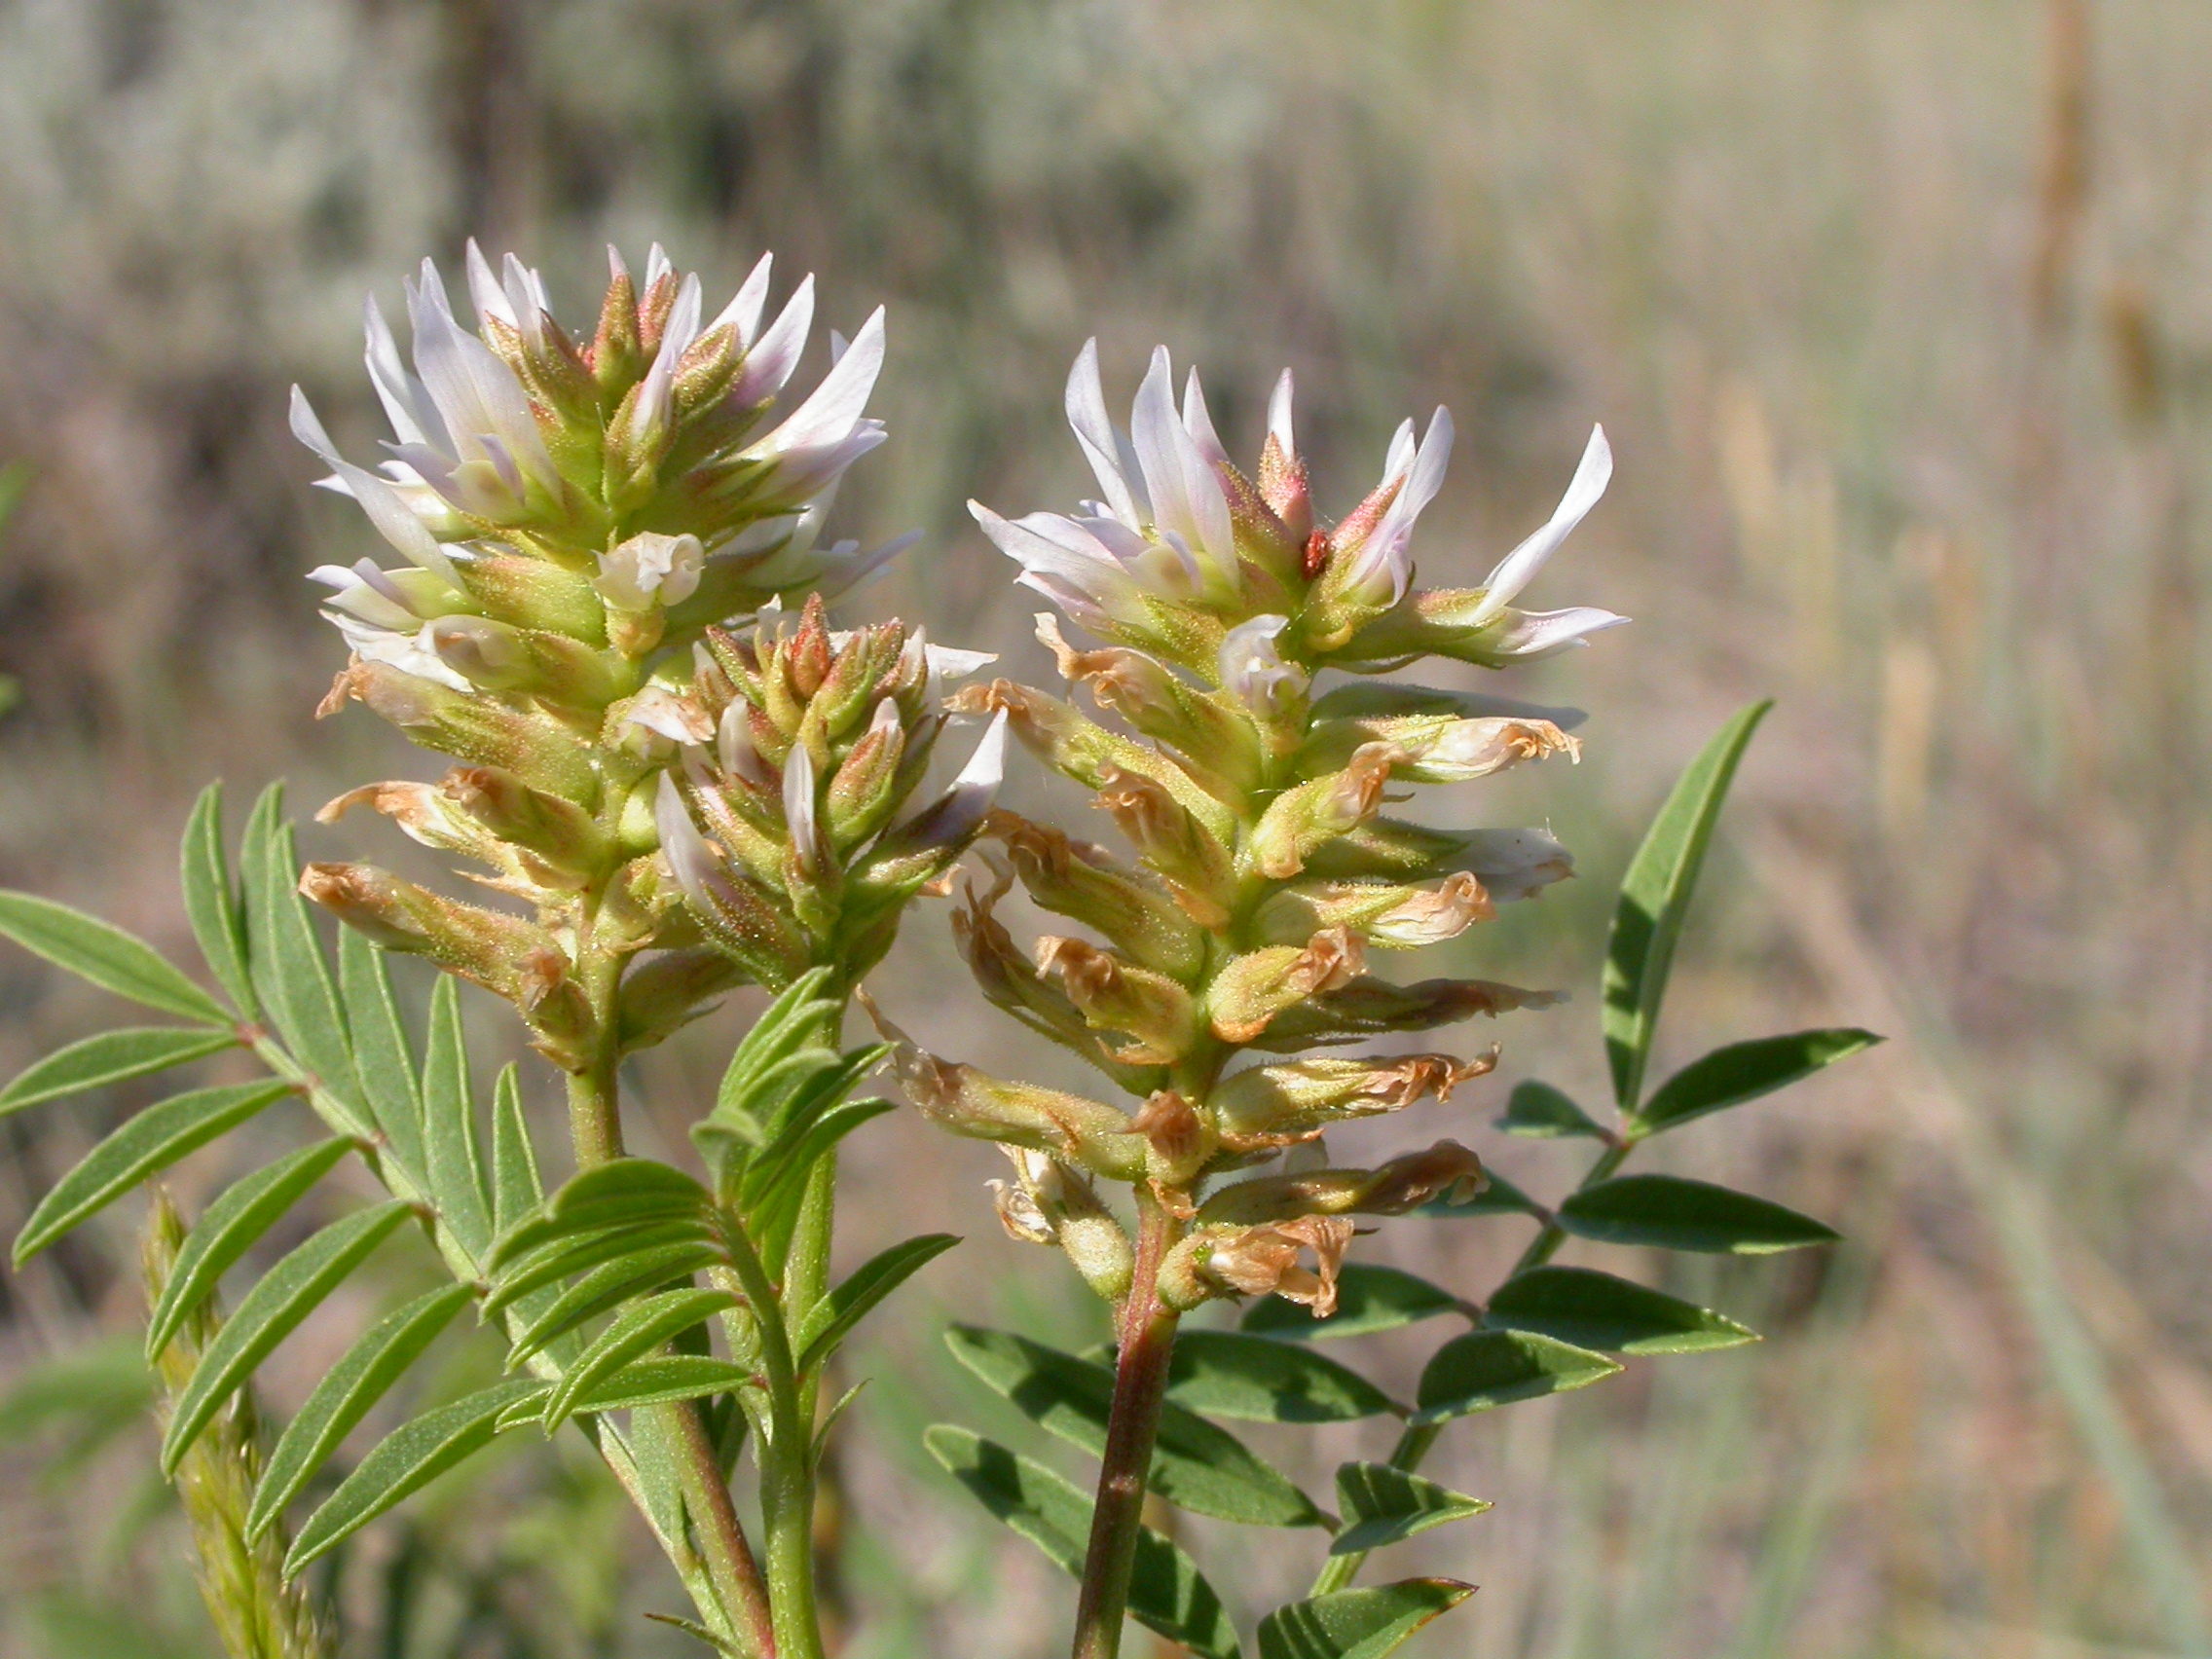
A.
pixel 680 779
pixel 1235 948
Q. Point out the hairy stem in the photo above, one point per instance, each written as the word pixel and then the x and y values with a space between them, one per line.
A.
pixel 1413 1445
pixel 1140 1385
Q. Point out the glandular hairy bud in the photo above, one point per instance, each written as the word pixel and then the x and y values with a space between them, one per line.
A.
pixel 1085 883
pixel 1446 1170
pixel 1266 1260
pixel 1157 1013
pixel 1302 818
pixel 863 791
pixel 540 752
pixel 958 1098
pixel 1368 1007
pixel 1273 1103
pixel 1249 992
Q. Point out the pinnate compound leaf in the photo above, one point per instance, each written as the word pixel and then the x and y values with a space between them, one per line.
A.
pixel 410 1457
pixel 1358 1624
pixel 637 1332
pixel 1544 1112
pixel 231 1226
pixel 106 955
pixel 1486 1369
pixel 1195 1464
pixel 382 1057
pixel 1167 1593
pixel 1233 1374
pixel 608 1285
pixel 1744 1071
pixel 286 1295
pixel 348 1390
pixel 587 1252
pixel 454 1159
pixel 1385 1505
pixel 151 1141
pixel 211 903
pixel 1369 1298
pixel 1672 1213
pixel 110 1057
pixel 1655 897
pixel 664 1380
pixel 1597 1310
pixel 831 1319
pixel 625 1192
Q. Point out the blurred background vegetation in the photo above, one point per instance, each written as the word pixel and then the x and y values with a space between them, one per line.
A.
pixel 1899 315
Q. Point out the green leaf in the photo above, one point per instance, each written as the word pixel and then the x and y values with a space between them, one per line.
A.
pixel 1672 1213
pixel 109 1058
pixel 153 1140
pixel 107 956
pixel 233 1225
pixel 516 1187
pixel 831 1319
pixel 1655 897
pixel 698 1631
pixel 288 1293
pixel 1486 1368
pixel 344 1395
pixel 1597 1310
pixel 638 1331
pixel 1195 1465
pixel 1167 1593
pixel 634 1272
pixel 1498 1196
pixel 665 1381
pixel 620 1193
pixel 409 1458
pixel 1369 1298
pixel 1386 1505
pixel 1233 1374
pixel 1744 1071
pixel 211 903
pixel 589 1251
pixel 287 962
pixel 1542 1112
pixel 455 1165
pixel 1358 1624
pixel 381 1057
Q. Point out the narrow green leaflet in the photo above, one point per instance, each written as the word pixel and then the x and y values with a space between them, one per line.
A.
pixel 211 903
pixel 291 974
pixel 1369 1298
pixel 1195 1465
pixel 153 1140
pixel 637 1332
pixel 627 1191
pixel 455 1163
pixel 1233 1374
pixel 107 956
pixel 1597 1310
pixel 1498 1196
pixel 231 1226
pixel 382 1057
pixel 1744 1071
pixel 1358 1624
pixel 408 1459
pixel 1673 1213
pixel 665 1381
pixel 587 1252
pixel 1542 1112
pixel 286 1295
pixel 1167 1593
pixel 1385 1505
pixel 344 1395
pixel 1655 897
pixel 1486 1369
pixel 109 1058
pixel 608 1285
pixel 831 1319
pixel 517 1190
pixel 774 1214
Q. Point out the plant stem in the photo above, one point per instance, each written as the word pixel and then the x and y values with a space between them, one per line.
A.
pixel 1338 1572
pixel 1140 1385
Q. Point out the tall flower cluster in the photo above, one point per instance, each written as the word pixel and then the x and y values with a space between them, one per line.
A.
pixel 1237 944
pixel 579 520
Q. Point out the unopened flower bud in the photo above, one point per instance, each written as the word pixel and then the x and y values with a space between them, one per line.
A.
pixel 863 791
pixel 1251 990
pixel 539 751
pixel 1301 820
